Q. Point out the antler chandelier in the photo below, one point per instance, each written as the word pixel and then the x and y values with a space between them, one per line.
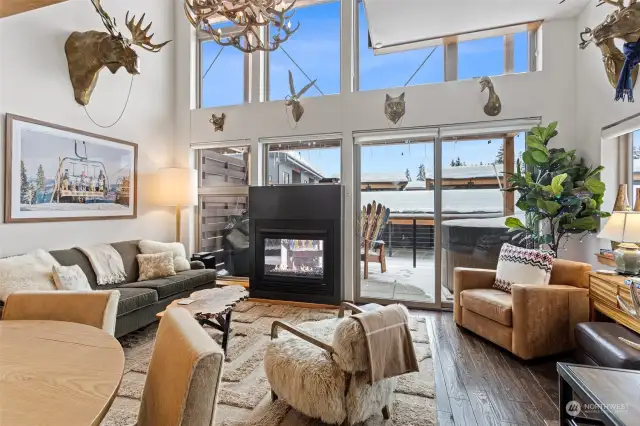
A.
pixel 249 16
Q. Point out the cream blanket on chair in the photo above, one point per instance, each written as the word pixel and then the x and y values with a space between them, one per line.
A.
pixel 106 262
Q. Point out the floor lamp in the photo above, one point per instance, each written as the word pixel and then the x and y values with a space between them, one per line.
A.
pixel 178 187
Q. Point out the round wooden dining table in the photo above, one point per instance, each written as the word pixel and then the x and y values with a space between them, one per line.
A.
pixel 57 373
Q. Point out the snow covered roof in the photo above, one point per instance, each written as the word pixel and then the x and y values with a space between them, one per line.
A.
pixel 416 184
pixel 383 177
pixel 454 201
pixel 460 172
pixel 464 172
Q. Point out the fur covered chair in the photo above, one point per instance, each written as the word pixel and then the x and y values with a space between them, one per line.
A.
pixel 321 369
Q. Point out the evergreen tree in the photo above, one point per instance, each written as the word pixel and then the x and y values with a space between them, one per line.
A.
pixel 500 155
pixel 458 162
pixel 408 175
pixel 452 164
pixel 24 183
pixel 421 173
pixel 481 163
pixel 40 182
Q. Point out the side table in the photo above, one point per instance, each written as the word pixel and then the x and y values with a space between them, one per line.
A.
pixel 610 395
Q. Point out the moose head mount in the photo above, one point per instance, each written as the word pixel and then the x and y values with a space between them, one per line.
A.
pixel 90 51
pixel 624 24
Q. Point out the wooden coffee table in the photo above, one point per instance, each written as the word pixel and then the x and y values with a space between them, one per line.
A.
pixel 213 307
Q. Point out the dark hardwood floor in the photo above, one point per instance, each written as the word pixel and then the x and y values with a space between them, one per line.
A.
pixel 479 383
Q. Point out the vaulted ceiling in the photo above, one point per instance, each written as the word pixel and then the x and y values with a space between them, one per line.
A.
pixel 13 7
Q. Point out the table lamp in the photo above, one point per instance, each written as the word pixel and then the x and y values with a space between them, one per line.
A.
pixel 624 227
pixel 177 187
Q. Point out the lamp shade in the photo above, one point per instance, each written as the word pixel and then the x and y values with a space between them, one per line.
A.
pixel 177 187
pixel 622 227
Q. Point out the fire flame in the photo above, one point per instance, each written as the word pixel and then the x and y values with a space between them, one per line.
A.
pixel 294 268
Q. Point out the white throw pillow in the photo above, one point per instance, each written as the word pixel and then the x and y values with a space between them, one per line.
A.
pixel 518 265
pixel 70 278
pixel 31 271
pixel 157 265
pixel 180 261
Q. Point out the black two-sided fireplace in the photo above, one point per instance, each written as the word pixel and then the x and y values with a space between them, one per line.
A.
pixel 295 243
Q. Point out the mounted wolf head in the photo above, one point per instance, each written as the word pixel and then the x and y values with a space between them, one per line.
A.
pixel 90 51
pixel 623 24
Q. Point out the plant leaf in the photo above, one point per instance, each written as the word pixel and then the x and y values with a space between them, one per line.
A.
pixel 556 184
pixel 548 132
pixel 539 156
pixel 514 223
pixel 585 223
pixel 528 159
pixel 595 171
pixel 594 185
pixel 550 207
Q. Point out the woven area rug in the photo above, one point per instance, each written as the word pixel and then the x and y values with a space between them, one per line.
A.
pixel 245 399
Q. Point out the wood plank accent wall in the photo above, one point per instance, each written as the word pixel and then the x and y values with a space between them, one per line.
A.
pixel 215 213
pixel 221 169
pixel 14 7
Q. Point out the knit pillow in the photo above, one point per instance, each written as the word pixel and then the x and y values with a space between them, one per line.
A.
pixel 152 266
pixel 30 271
pixel 180 261
pixel 518 265
pixel 70 278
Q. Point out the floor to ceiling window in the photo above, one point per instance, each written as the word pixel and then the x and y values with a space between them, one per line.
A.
pixel 312 53
pixel 222 72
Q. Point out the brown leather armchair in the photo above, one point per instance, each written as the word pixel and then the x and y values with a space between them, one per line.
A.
pixel 534 320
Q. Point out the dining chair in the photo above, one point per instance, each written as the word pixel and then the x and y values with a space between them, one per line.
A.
pixel 184 375
pixel 95 308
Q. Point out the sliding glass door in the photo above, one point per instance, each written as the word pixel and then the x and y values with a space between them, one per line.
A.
pixel 395 220
pixel 431 200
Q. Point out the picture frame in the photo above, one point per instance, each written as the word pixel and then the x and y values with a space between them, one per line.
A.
pixel 55 173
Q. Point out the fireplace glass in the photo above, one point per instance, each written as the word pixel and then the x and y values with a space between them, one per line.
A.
pixel 293 258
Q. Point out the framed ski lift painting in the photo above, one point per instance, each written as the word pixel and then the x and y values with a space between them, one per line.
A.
pixel 54 173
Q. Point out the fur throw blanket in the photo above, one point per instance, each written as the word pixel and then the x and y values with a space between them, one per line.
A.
pixel 106 262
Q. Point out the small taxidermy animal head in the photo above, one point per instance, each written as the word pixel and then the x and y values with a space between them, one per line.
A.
pixel 394 108
pixel 293 100
pixel 218 122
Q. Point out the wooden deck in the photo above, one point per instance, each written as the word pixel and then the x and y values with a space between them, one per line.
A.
pixel 478 383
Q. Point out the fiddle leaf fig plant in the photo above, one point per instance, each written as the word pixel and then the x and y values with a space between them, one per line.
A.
pixel 560 196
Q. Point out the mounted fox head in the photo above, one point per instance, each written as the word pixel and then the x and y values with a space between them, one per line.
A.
pixel 90 51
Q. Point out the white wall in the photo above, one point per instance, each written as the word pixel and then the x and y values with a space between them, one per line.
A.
pixel 549 93
pixel 595 109
pixel 34 82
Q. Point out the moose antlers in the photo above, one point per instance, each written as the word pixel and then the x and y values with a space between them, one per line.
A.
pixel 139 35
pixel 109 23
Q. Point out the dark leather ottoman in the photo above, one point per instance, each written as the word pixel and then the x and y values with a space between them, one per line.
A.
pixel 597 343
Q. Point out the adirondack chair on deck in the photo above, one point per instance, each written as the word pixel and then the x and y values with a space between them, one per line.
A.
pixel 372 222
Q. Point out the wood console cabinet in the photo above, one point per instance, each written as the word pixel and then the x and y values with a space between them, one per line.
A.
pixel 603 290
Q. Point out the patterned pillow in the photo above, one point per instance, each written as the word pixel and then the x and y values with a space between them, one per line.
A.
pixel 158 265
pixel 518 265
pixel 70 278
